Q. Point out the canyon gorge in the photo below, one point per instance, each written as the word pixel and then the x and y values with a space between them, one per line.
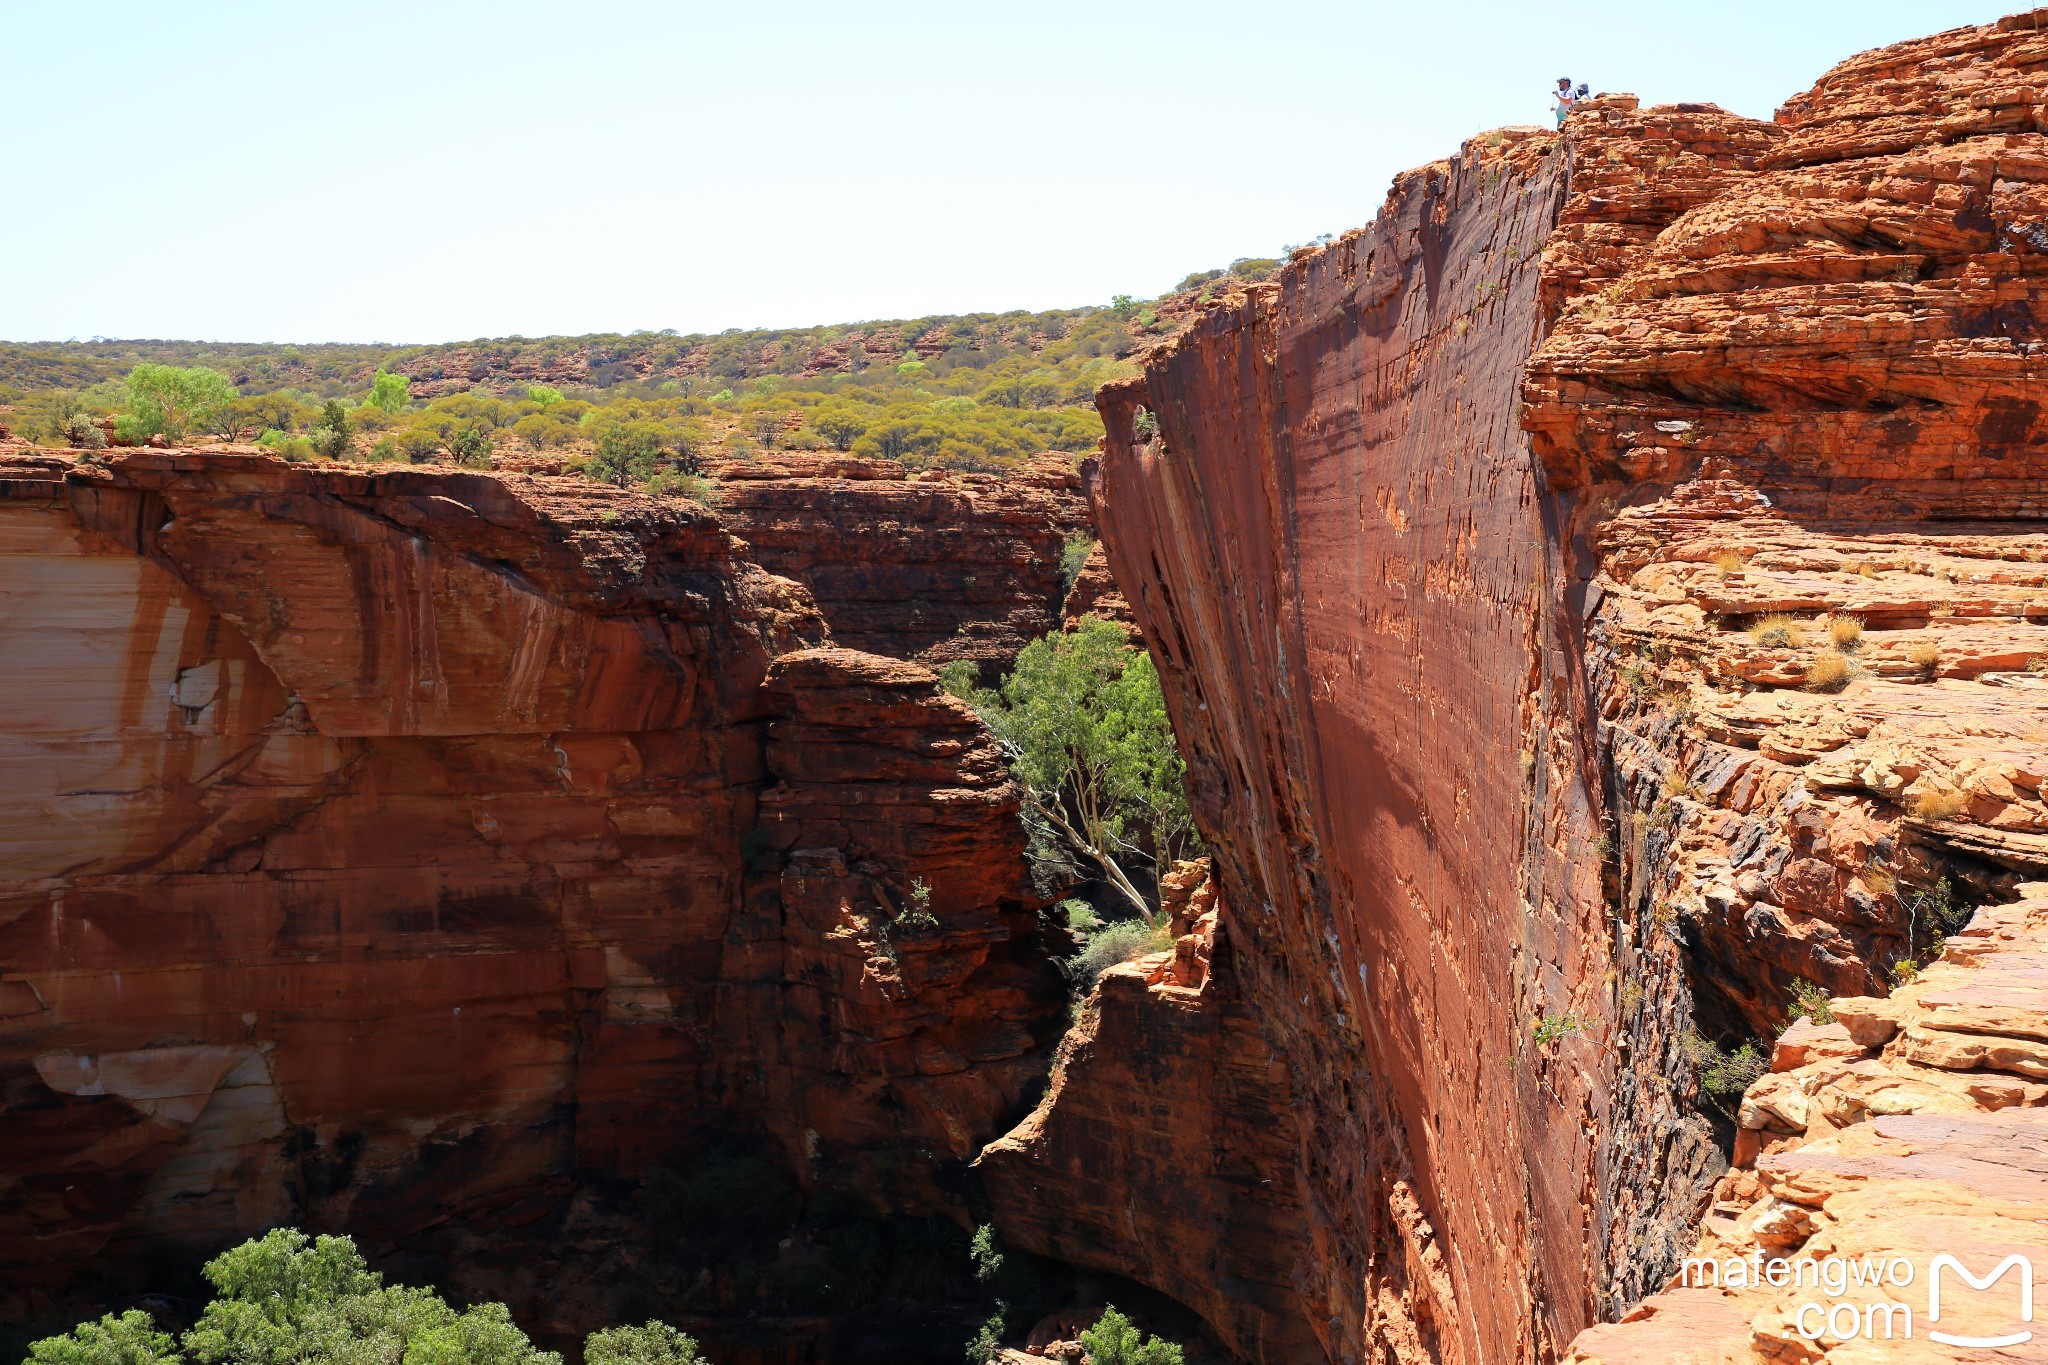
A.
pixel 1602 605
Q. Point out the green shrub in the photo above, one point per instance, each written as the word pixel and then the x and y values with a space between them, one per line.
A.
pixel 419 444
pixel 129 1339
pixel 1114 1340
pixel 285 1297
pixel 983 1345
pixel 1073 555
pixel 1116 943
pixel 957 679
pixel 390 392
pixel 655 1344
pixel 1085 723
pixel 334 435
pixel 1810 1002
pixel 292 448
pixel 471 448
pixel 540 432
pixel 625 455
pixel 841 425
pixel 1724 1075
pixel 916 915
pixel 1081 917
pixel 667 483
pixel 83 433
pixel 986 1252
pixel 171 400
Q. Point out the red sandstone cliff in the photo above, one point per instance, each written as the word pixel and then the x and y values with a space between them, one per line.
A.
pixel 1449 546
pixel 1166 1070
pixel 1338 548
pixel 385 850
pixel 932 566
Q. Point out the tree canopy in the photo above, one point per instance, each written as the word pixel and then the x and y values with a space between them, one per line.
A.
pixel 289 1299
pixel 981 392
pixel 1084 722
pixel 1114 1340
pixel 172 401
pixel 390 392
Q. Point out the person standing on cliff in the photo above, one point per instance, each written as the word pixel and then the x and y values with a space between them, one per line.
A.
pixel 1564 97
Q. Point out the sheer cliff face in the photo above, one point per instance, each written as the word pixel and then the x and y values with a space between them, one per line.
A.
pixel 1449 546
pixel 379 849
pixel 1336 543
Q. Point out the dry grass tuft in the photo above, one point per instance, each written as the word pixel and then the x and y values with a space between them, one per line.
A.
pixel 1731 561
pixel 1880 881
pixel 1829 671
pixel 1925 653
pixel 1930 804
pixel 1778 631
pixel 1845 631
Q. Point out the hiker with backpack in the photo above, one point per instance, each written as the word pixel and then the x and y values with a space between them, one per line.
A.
pixel 1566 97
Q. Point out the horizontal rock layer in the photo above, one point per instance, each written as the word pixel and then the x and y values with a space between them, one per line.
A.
pixel 933 566
pixel 1902 1130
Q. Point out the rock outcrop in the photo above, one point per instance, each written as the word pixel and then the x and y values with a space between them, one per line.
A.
pixel 932 566
pixel 1462 551
pixel 1164 1149
pixel 393 850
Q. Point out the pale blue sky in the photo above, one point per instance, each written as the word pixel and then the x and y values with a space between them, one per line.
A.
pixel 441 169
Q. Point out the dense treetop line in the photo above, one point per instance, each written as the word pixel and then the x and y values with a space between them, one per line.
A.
pixel 286 1297
pixel 982 391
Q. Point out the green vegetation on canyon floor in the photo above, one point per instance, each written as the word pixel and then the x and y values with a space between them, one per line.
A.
pixel 285 1297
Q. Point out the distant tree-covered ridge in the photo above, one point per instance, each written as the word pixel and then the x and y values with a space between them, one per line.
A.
pixel 981 392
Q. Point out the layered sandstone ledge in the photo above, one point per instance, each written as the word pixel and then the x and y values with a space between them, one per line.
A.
pixel 1905 1129
pixel 390 851
pixel 932 566
pixel 1449 547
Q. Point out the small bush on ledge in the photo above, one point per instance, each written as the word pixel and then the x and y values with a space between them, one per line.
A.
pixel 1113 1340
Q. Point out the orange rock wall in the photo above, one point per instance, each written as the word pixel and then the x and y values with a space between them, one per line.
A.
pixel 379 849
pixel 1168 1105
pixel 932 566
pixel 1339 550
